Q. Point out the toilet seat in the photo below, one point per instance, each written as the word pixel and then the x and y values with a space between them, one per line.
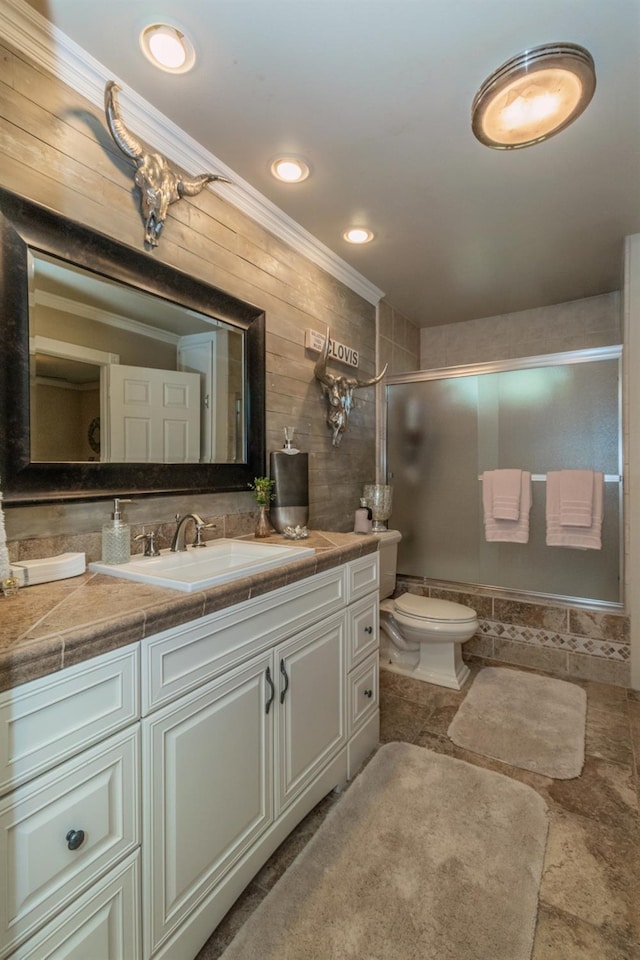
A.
pixel 431 610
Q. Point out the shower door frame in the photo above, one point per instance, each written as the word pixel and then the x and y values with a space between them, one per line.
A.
pixel 569 357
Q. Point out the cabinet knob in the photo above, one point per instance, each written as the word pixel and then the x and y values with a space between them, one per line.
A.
pixel 368 629
pixel 75 839
pixel 368 693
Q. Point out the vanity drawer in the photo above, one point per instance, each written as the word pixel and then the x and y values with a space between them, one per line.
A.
pixel 96 793
pixel 179 660
pixel 362 630
pixel 363 576
pixel 104 922
pixel 49 720
pixel 363 693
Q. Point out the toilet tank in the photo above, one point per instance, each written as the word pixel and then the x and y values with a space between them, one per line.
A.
pixel 389 540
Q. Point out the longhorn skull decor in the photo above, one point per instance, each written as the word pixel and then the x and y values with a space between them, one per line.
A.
pixel 159 184
pixel 339 392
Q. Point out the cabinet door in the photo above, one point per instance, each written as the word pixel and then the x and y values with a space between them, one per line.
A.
pixel 311 705
pixel 207 791
pixel 63 831
pixel 101 925
pixel 362 629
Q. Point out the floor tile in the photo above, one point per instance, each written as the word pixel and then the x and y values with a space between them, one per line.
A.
pixel 591 871
pixel 400 719
pixel 604 791
pixel 609 732
pixel 561 936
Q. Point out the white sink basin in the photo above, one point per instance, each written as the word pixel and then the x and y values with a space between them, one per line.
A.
pixel 195 569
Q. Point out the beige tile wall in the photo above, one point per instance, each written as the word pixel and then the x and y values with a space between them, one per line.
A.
pixel 398 340
pixel 576 325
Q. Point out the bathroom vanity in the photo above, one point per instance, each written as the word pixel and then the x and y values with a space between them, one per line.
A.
pixel 142 789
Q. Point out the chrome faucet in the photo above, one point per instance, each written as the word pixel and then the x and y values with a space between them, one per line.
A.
pixel 178 543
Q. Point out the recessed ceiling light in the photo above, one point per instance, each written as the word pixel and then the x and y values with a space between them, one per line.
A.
pixel 167 47
pixel 358 235
pixel 290 169
pixel 533 96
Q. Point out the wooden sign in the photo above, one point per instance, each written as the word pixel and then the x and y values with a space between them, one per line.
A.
pixel 337 351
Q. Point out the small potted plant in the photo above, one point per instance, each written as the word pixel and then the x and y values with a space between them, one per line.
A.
pixel 263 491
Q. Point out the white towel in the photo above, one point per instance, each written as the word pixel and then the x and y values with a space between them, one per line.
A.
pixel 579 537
pixel 576 498
pixel 505 487
pixel 498 529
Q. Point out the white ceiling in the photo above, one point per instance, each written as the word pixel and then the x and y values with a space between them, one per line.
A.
pixel 376 95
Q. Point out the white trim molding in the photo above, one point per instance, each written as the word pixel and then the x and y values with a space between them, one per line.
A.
pixel 55 52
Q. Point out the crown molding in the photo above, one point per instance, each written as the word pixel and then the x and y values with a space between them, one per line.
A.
pixel 55 52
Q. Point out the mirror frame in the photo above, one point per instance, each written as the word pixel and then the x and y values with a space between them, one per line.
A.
pixel 25 224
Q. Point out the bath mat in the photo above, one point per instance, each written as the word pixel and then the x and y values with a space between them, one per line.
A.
pixel 424 858
pixel 536 723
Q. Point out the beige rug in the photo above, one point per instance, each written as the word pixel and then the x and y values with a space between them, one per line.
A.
pixel 424 858
pixel 529 721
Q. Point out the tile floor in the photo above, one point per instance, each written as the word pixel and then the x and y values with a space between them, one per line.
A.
pixel 590 891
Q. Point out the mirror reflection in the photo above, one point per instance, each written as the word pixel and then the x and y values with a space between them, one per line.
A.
pixel 118 375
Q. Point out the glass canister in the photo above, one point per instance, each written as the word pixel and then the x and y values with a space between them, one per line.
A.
pixel 379 496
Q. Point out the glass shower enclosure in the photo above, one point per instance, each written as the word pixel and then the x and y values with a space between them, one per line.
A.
pixel 445 427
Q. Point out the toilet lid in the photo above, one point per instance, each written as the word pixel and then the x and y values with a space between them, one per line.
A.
pixel 428 608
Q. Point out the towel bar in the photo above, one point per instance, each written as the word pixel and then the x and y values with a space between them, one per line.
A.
pixel 542 477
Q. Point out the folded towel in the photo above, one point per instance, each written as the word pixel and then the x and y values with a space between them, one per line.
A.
pixel 505 487
pixel 576 498
pixel 579 537
pixel 497 528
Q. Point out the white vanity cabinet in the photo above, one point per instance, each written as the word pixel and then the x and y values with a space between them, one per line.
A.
pixel 206 743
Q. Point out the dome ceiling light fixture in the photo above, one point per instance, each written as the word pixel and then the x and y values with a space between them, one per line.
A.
pixel 290 169
pixel 358 235
pixel 167 48
pixel 533 96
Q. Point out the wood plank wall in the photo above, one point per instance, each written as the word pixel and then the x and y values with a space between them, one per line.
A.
pixel 55 149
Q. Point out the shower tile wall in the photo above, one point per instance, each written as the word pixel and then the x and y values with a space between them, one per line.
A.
pixel 575 641
pixel 398 341
pixel 576 325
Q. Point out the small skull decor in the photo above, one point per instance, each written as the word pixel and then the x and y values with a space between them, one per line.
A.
pixel 339 392
pixel 159 185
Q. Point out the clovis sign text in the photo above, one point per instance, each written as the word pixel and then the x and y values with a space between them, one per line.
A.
pixel 338 351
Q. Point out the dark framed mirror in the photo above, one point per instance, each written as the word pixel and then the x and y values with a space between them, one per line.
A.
pixel 45 259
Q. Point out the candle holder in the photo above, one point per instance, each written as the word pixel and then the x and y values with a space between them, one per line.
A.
pixel 379 497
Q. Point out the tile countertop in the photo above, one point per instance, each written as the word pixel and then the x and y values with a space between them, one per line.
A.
pixel 55 625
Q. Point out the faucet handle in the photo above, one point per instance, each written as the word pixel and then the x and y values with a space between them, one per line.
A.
pixel 150 548
pixel 200 526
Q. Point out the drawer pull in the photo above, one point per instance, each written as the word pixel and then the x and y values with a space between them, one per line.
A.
pixel 368 693
pixel 75 839
pixel 368 629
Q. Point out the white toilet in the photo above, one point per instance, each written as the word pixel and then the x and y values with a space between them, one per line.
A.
pixel 420 637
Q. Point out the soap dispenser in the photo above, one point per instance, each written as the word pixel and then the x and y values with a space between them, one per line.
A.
pixel 116 536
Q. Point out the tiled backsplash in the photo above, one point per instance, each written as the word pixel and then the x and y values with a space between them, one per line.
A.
pixel 90 543
pixel 576 641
